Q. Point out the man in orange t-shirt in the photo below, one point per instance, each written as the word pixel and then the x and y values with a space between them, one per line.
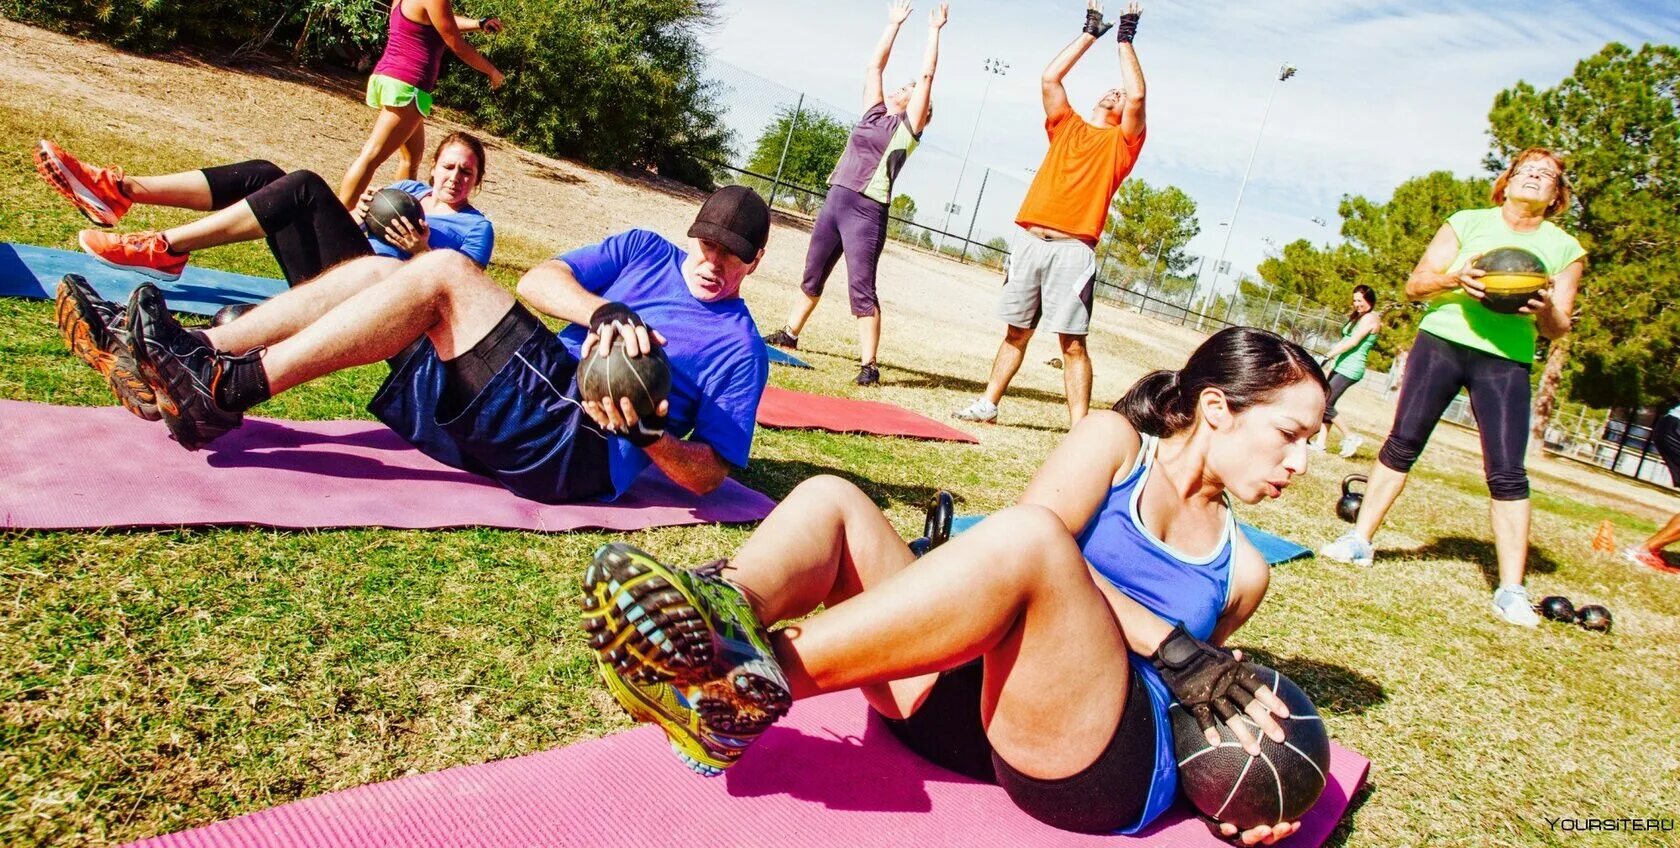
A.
pixel 1053 260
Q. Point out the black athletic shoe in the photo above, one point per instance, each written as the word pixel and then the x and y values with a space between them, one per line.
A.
pixel 868 375
pixel 97 332
pixel 782 339
pixel 181 369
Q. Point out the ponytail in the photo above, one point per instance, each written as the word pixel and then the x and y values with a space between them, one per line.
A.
pixel 1156 404
pixel 1247 365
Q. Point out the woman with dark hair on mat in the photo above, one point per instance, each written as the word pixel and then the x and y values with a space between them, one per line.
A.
pixel 1462 344
pixel 1038 650
pixel 1346 361
pixel 853 219
pixel 306 229
pixel 401 84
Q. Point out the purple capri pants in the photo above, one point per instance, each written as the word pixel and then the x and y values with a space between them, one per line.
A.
pixel 856 226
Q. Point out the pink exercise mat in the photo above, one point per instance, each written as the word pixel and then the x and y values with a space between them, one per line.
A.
pixel 829 774
pixel 95 467
pixel 791 410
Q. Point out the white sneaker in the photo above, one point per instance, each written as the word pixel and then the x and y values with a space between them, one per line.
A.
pixel 1315 446
pixel 1511 603
pixel 981 410
pixel 1350 445
pixel 1350 548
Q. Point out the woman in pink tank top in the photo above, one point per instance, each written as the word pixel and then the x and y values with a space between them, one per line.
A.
pixel 402 82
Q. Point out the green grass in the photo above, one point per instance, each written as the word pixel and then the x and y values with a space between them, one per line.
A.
pixel 155 681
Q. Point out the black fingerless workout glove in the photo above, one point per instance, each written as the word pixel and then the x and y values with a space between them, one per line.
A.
pixel 1094 25
pixel 645 431
pixel 1206 680
pixel 613 312
pixel 1128 28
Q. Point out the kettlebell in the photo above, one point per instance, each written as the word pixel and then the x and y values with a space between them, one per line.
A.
pixel 1556 608
pixel 941 512
pixel 1348 507
pixel 1593 617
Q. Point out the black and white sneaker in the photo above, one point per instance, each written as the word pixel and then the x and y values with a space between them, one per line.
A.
pixel 868 375
pixel 183 371
pixel 782 339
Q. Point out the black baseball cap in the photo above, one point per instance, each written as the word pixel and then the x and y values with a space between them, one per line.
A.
pixel 735 217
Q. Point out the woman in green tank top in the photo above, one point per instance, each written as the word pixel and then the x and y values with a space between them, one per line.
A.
pixel 1346 364
pixel 1462 345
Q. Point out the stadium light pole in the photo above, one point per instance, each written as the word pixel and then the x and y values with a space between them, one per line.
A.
pixel 1284 73
pixel 993 68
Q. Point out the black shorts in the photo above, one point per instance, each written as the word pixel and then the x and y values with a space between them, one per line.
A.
pixel 1665 436
pixel 1108 795
pixel 506 409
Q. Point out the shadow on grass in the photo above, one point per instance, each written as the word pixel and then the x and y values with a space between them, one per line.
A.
pixel 1482 554
pixel 930 380
pixel 778 477
pixel 1344 828
pixel 1334 689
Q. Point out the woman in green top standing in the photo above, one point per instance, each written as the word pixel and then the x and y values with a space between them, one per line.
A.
pixel 1462 344
pixel 1346 364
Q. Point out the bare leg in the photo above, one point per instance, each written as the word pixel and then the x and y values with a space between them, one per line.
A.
pixel 801 312
pixel 1510 539
pixel 869 337
pixel 186 190
pixel 233 224
pixel 390 129
pixel 1076 376
pixel 442 295
pixel 1666 536
pixel 1015 590
pixel 412 153
pixel 1009 357
pixel 1381 492
pixel 283 315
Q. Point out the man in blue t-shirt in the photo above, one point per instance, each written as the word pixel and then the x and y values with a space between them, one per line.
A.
pixel 478 382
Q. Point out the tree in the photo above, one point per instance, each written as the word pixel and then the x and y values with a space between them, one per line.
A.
pixel 902 217
pixel 1143 220
pixel 1617 118
pixel 616 84
pixel 815 145
pixel 1383 242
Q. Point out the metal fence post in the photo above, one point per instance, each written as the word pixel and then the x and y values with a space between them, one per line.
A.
pixel 776 184
pixel 969 239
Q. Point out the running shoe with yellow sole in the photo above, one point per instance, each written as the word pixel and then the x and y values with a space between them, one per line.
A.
pixel 96 192
pixel 688 717
pixel 690 629
pixel 97 332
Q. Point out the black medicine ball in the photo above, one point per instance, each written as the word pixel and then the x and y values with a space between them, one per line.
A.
pixel 1280 785
pixel 387 205
pixel 645 379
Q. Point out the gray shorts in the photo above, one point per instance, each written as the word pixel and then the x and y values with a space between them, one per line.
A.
pixel 1049 284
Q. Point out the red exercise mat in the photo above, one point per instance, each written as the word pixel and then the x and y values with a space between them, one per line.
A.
pixel 828 775
pixel 790 410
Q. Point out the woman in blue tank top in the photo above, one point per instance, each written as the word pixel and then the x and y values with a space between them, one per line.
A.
pixel 1039 649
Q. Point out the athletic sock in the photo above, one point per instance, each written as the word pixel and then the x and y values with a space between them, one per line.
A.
pixel 244 383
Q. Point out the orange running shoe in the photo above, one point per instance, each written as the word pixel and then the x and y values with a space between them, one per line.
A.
pixel 97 192
pixel 146 253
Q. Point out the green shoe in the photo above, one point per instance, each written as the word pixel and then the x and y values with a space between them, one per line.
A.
pixel 689 628
pixel 699 727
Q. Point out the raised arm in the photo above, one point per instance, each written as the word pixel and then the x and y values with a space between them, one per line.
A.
pixel 917 113
pixel 1050 84
pixel 1131 73
pixel 442 16
pixel 873 90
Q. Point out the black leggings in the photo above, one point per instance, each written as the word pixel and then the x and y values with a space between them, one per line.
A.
pixel 308 230
pixel 1666 437
pixel 1338 385
pixel 1499 398
pixel 1106 796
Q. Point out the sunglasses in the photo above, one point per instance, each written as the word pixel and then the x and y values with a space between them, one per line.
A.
pixel 1536 171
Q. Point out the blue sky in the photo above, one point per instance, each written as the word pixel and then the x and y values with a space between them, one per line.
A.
pixel 1385 90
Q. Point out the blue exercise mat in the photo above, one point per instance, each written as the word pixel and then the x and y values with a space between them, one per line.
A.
pixel 782 357
pixel 1275 549
pixel 34 272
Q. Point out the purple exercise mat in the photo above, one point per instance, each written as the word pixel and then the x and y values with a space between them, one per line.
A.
pixel 830 774
pixel 95 467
